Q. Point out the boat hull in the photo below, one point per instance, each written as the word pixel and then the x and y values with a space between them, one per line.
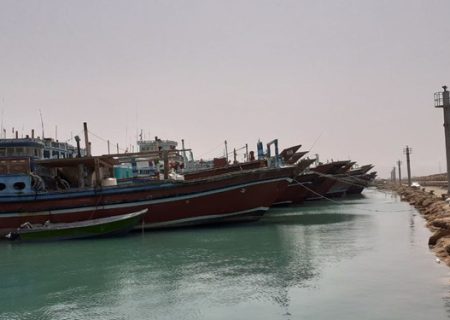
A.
pixel 104 227
pixel 310 186
pixel 246 202
pixel 297 191
pixel 169 204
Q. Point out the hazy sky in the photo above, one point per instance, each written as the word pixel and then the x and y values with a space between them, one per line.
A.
pixel 356 77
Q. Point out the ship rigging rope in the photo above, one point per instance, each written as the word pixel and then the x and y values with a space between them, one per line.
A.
pixel 341 203
pixel 344 180
pixel 97 136
pixel 211 150
pixel 315 141
pixel 72 136
pixel 239 149
pixel 104 140
pixel 316 193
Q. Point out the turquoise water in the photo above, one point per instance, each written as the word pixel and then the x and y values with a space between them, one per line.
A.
pixel 363 258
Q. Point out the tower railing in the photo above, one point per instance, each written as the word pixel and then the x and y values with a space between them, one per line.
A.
pixel 439 99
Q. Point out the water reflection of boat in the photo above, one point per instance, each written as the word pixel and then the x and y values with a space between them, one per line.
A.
pixel 94 228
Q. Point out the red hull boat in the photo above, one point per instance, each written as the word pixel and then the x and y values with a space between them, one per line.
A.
pixel 311 185
pixel 243 195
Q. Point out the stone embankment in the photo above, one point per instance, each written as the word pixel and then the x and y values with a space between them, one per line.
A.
pixel 436 211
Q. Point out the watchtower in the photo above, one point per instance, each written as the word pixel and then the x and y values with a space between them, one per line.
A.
pixel 442 100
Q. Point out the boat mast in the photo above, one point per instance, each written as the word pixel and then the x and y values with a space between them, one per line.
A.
pixel 86 140
pixel 226 151
pixel 42 124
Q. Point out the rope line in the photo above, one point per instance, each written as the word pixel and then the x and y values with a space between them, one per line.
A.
pixel 341 203
pixel 211 150
pixel 359 183
pixel 316 193
pixel 105 140
pixel 72 138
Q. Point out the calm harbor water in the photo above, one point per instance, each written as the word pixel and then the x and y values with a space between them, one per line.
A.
pixel 364 258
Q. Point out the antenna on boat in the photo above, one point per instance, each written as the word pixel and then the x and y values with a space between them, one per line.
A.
pixel 42 123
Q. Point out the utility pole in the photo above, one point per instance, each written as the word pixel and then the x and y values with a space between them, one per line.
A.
pixel 408 151
pixel 442 100
pixel 393 175
pixel 399 163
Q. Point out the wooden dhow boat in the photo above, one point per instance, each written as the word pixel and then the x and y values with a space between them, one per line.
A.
pixel 232 196
pixel 311 184
pixel 290 163
pixel 351 181
pixel 341 182
pixel 93 228
pixel 360 179
pixel 326 174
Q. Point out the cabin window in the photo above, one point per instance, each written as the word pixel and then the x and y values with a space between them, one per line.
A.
pixel 46 154
pixel 19 151
pixel 2 152
pixel 2 186
pixel 19 185
pixel 36 153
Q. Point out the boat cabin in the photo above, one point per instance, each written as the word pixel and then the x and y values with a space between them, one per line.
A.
pixel 15 176
pixel 37 148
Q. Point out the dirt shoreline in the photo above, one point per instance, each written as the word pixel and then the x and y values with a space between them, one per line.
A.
pixel 431 203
